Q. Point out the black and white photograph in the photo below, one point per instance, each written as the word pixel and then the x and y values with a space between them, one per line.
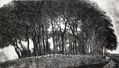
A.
pixel 59 33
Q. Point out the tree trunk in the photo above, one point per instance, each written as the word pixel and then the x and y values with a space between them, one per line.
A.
pixel 17 49
pixel 53 34
pixel 28 43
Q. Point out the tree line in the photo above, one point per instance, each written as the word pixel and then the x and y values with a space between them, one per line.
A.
pixel 75 26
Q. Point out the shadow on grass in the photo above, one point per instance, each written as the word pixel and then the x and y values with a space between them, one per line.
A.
pixel 90 66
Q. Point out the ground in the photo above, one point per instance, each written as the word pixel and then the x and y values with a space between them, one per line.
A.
pixel 61 61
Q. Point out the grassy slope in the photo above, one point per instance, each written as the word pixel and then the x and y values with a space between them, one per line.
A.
pixel 58 61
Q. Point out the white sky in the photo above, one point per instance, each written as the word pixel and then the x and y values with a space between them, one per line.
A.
pixel 9 53
pixel 110 6
pixel 4 2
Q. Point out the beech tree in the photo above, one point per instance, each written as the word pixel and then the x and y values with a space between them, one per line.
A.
pixel 77 27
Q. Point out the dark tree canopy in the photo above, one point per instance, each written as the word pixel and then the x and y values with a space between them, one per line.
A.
pixel 86 28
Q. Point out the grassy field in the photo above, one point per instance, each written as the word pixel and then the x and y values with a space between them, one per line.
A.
pixel 61 61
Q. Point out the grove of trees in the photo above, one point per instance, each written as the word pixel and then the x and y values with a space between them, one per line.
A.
pixel 75 26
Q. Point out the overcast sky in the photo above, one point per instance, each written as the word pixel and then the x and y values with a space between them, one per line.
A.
pixel 110 6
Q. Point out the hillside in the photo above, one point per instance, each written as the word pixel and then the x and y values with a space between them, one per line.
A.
pixel 58 61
